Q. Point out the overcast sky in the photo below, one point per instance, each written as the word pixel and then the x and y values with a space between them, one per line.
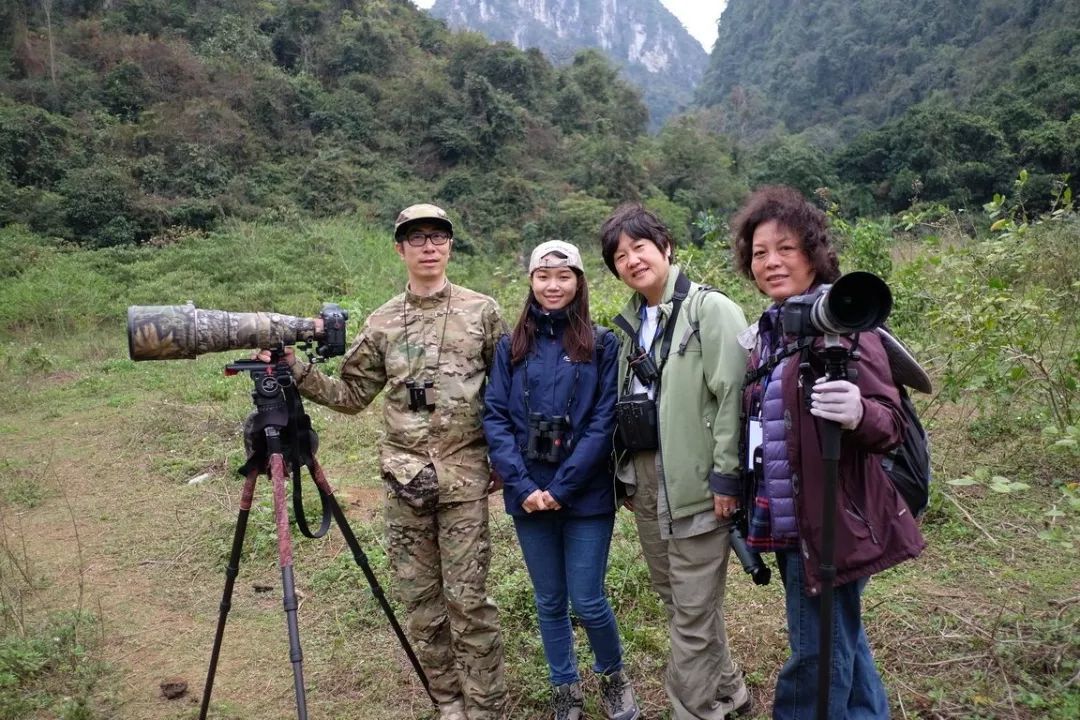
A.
pixel 698 16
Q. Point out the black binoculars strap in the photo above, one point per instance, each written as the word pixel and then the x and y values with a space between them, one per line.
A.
pixel 682 289
pixel 766 369
pixel 525 387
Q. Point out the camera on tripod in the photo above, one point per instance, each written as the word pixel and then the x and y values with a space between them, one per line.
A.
pixel 546 439
pixel 173 332
pixel 421 395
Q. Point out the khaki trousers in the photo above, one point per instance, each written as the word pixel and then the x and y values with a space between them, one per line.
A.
pixel 440 563
pixel 690 575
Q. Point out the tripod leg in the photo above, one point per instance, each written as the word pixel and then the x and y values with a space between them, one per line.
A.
pixel 281 517
pixel 231 572
pixel 361 559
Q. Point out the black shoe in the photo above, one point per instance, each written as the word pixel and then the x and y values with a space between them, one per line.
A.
pixel 739 704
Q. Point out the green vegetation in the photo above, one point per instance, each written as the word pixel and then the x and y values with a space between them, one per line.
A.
pixel 889 102
pixel 119 121
pixel 251 155
pixel 133 121
pixel 116 530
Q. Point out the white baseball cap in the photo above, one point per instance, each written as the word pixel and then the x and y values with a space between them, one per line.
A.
pixel 555 254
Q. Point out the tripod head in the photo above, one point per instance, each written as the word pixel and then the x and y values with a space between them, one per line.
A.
pixel 278 422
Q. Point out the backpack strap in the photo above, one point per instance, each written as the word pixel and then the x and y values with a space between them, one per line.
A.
pixel 693 328
pixel 682 289
pixel 624 326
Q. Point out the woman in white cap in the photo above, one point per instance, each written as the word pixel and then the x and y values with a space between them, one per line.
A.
pixel 549 420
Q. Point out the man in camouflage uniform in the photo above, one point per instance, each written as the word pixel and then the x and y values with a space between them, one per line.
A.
pixel 433 460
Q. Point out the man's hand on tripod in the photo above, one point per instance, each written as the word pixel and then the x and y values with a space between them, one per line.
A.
pixel 288 355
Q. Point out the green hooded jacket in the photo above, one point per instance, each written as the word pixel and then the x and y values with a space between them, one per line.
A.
pixel 700 396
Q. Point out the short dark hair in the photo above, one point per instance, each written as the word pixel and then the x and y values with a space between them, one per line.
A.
pixel 640 224
pixel 789 208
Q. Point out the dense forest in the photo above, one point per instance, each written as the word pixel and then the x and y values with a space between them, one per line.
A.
pixel 654 51
pixel 131 120
pixel 120 120
pixel 895 100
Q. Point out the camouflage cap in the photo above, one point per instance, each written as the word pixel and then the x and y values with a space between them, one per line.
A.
pixel 564 255
pixel 422 211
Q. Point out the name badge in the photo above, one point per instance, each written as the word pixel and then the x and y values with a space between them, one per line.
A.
pixel 755 437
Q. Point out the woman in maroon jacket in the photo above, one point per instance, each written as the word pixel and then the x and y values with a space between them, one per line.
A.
pixel 782 244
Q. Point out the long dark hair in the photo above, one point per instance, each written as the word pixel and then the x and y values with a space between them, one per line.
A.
pixel 578 340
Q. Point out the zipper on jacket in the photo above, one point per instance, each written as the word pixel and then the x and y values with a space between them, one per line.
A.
pixel 660 457
pixel 854 510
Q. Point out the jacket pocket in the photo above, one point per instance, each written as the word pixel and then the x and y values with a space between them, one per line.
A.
pixel 860 525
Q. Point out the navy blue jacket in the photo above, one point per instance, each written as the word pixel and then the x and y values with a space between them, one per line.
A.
pixel 581 483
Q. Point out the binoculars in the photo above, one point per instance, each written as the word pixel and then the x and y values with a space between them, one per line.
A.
pixel 546 438
pixel 421 395
pixel 644 367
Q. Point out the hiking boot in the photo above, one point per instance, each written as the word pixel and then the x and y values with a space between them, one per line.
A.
pixel 567 701
pixel 617 697
pixel 454 710
pixel 738 704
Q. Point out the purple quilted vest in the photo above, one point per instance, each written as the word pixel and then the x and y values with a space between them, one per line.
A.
pixel 778 482
pixel 778 486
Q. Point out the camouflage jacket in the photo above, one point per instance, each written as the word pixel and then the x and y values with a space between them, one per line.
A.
pixel 402 340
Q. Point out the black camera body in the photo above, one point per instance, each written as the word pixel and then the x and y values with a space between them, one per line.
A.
pixel 547 438
pixel 856 302
pixel 637 419
pixel 333 340
pixel 421 395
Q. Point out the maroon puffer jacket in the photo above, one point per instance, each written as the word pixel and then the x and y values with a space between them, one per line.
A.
pixel 874 528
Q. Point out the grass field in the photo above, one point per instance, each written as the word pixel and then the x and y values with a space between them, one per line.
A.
pixel 111 563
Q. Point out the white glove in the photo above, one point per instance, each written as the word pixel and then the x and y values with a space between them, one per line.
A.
pixel 837 400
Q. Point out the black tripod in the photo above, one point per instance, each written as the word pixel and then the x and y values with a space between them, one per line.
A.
pixel 279 436
pixel 836 360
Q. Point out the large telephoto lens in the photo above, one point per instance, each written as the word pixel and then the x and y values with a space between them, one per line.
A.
pixel 171 332
pixel 856 302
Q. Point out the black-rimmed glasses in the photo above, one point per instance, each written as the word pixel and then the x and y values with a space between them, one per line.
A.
pixel 417 238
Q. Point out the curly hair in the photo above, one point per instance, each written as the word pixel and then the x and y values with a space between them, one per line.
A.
pixel 638 223
pixel 789 208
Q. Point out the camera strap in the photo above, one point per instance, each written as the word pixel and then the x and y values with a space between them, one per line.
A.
pixel 682 289
pixel 304 442
pixel 766 369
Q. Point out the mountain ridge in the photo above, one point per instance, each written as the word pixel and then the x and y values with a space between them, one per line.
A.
pixel 655 51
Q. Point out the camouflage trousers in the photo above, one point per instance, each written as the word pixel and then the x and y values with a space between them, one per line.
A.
pixel 440 562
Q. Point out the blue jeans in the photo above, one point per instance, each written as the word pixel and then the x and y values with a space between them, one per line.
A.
pixel 855 691
pixel 567 560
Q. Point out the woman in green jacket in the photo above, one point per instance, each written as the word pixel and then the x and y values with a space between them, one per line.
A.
pixel 680 375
